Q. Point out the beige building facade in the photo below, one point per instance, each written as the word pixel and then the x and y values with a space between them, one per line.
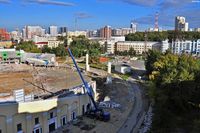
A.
pixel 138 46
pixel 6 44
pixel 43 116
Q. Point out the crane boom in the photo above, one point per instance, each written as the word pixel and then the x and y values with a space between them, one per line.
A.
pixel 88 88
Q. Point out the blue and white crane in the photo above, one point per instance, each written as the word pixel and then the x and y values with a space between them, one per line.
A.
pixel 95 112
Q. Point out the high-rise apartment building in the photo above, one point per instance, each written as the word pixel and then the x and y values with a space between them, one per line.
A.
pixel 181 24
pixel 106 32
pixel 63 30
pixel 53 30
pixel 29 32
pixel 197 29
pixel 92 33
pixel 16 35
pixel 125 31
pixel 133 27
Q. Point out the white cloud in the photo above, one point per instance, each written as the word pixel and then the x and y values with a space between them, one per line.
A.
pixel 141 2
pixel 51 2
pixel 5 1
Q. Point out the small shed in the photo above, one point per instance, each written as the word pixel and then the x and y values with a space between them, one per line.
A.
pixel 122 68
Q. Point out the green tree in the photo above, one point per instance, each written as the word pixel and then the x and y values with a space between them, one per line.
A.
pixel 175 88
pixel 81 45
pixel 46 49
pixel 160 36
pixel 28 47
pixel 64 39
pixel 132 52
pixel 61 50
pixel 151 58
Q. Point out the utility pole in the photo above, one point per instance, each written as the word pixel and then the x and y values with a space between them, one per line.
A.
pixel 145 42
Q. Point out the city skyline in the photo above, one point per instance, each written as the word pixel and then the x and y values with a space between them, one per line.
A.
pixel 97 13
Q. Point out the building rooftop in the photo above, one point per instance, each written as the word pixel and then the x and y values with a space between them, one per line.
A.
pixel 47 80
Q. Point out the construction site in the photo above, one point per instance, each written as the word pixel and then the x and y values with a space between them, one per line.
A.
pixel 57 99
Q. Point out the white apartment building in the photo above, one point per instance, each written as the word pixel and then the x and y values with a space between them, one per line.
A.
pixel 29 32
pixel 53 43
pixel 123 31
pixel 50 41
pixel 53 31
pixel 43 39
pixel 181 24
pixel 186 46
pixel 197 29
pixel 110 44
pixel 77 33
pixel 133 27
pixel 16 35
pixel 71 34
pixel 164 46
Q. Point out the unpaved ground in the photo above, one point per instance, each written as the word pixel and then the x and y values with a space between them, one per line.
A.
pixel 120 92
pixel 53 79
pixel 57 79
pixel 11 78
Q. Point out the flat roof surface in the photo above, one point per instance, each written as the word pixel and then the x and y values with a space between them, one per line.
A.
pixel 51 79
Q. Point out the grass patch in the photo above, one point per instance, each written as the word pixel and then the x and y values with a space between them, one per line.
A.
pixel 97 66
pixel 125 76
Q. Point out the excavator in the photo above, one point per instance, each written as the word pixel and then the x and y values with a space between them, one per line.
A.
pixel 94 112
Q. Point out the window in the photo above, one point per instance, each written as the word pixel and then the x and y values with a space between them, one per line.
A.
pixel 36 121
pixel 64 120
pixel 52 127
pixel 51 115
pixel 73 115
pixel 19 127
pixel 38 130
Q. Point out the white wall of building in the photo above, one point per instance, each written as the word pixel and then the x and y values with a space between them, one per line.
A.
pixel 186 46
pixel 77 33
pixel 53 30
pixel 30 31
pixel 50 41
pixel 122 69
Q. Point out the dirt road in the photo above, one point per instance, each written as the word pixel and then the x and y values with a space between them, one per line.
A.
pixel 131 124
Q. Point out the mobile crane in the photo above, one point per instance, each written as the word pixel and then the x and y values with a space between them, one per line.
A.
pixel 95 112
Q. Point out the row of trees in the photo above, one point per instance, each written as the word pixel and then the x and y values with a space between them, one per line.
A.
pixel 58 51
pixel 160 36
pixel 175 89
pixel 28 47
pixel 131 52
pixel 32 48
pixel 79 46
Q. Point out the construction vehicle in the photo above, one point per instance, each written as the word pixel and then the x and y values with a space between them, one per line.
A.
pixel 94 112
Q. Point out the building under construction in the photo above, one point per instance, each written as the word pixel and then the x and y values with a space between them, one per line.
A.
pixel 41 107
pixel 19 56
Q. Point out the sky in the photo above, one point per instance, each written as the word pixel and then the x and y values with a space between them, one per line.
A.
pixel 93 14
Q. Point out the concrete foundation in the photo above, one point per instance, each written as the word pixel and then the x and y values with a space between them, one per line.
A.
pixel 87 66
